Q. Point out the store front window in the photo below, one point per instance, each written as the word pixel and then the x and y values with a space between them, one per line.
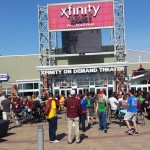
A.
pixel 82 83
pixel 83 80
pixel 6 91
pixel 36 85
pixel 28 88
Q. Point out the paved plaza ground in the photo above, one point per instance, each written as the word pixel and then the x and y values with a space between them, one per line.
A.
pixel 25 138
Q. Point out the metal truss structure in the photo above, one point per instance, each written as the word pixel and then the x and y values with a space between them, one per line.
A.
pixel 48 41
pixel 119 41
pixel 119 31
pixel 47 44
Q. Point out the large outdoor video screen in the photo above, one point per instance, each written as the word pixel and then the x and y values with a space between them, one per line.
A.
pixel 81 41
pixel 80 16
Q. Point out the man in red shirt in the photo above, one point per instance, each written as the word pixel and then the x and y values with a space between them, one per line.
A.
pixel 73 112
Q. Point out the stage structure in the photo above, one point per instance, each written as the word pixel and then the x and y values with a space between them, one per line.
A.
pixel 80 17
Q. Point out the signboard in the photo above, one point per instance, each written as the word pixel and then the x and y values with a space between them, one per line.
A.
pixel 85 41
pixel 4 77
pixel 82 70
pixel 80 16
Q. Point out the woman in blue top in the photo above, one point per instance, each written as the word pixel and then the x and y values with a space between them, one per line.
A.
pixel 84 103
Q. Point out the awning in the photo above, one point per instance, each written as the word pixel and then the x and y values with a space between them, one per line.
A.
pixel 144 76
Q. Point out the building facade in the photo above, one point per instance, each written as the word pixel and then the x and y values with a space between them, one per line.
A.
pixel 76 73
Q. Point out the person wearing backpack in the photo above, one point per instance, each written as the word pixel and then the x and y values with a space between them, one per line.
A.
pixel 91 103
pixel 51 115
pixel 101 110
pixel 89 113
pixel 83 102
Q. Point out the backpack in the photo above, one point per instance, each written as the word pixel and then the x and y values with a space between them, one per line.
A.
pixel 138 106
pixel 89 103
pixel 57 104
pixel 48 107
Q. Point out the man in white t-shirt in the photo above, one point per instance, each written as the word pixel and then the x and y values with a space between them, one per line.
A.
pixel 113 102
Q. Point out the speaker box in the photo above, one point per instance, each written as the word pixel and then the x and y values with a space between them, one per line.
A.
pixel 4 124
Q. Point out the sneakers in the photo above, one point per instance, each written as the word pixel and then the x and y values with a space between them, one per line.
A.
pixel 89 125
pixel 105 131
pixel 100 129
pixel 130 131
pixel 69 142
pixel 19 114
pixel 55 141
pixel 135 133
pixel 77 142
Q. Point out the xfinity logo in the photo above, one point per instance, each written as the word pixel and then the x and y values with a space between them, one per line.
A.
pixel 80 10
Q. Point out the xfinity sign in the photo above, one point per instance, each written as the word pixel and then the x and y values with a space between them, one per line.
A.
pixel 71 10
pixel 82 70
pixel 81 15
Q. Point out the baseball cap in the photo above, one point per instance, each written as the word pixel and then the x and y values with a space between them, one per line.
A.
pixel 101 92
pixel 73 92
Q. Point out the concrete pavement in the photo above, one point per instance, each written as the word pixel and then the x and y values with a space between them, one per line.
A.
pixel 25 138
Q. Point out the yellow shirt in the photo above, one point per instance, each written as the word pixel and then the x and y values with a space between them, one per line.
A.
pixel 34 99
pixel 51 113
pixel 62 99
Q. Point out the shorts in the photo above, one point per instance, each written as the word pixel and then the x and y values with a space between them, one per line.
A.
pixel 90 112
pixel 130 115
pixel 6 115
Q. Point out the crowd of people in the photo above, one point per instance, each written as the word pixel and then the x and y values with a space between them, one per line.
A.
pixel 82 110
pixel 18 108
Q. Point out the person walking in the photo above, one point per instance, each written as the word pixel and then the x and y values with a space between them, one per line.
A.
pixel 74 110
pixel 6 105
pixel 101 110
pixel 83 102
pixel 90 108
pixel 131 113
pixel 51 116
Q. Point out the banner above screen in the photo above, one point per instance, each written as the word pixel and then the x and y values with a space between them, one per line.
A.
pixel 80 16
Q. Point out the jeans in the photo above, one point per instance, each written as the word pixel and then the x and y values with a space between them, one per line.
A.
pixel 52 128
pixel 82 121
pixel 25 110
pixel 102 120
pixel 70 126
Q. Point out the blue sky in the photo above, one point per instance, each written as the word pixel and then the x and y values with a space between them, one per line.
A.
pixel 19 25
